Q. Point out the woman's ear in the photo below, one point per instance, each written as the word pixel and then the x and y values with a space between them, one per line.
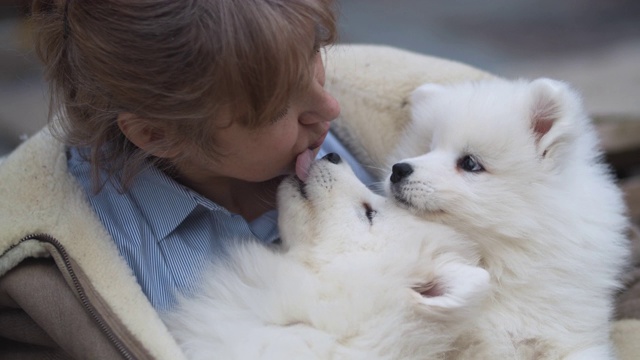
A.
pixel 151 138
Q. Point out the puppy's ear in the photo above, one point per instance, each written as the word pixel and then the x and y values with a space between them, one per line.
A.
pixel 553 114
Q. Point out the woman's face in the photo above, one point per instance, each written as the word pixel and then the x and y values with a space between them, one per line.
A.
pixel 261 154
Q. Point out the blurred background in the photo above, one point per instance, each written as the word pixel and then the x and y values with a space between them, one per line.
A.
pixel 593 44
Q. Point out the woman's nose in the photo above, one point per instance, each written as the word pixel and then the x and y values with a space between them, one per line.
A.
pixel 324 108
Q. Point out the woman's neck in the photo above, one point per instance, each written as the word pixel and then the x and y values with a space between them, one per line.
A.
pixel 248 199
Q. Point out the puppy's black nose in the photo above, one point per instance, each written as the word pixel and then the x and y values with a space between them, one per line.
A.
pixel 400 171
pixel 333 158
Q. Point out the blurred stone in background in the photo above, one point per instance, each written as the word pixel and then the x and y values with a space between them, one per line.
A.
pixel 23 100
pixel 592 44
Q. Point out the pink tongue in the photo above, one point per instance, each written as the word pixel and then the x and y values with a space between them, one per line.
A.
pixel 303 163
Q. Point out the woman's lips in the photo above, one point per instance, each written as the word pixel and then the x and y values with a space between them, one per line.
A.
pixel 320 140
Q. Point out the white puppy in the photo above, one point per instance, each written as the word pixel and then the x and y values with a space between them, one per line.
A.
pixel 516 166
pixel 356 277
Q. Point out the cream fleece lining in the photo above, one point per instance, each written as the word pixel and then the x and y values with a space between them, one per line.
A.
pixel 44 198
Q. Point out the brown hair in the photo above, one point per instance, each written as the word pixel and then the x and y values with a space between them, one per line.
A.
pixel 176 63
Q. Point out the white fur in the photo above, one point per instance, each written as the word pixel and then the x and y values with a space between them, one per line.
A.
pixel 340 286
pixel 545 211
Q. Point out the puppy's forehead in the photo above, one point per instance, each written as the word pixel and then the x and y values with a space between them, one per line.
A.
pixel 482 115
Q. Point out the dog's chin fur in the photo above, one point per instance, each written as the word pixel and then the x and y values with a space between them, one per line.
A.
pixel 356 277
pixel 542 207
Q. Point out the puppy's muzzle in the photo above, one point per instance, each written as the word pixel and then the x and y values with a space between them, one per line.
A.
pixel 330 157
pixel 400 171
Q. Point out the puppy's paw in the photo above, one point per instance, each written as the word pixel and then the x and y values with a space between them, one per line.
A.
pixel 457 290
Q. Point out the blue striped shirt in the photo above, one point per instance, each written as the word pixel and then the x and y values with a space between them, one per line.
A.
pixel 167 233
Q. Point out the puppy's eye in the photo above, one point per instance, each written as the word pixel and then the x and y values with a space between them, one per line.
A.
pixel 369 212
pixel 470 164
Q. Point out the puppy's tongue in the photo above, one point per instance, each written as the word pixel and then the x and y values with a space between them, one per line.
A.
pixel 303 163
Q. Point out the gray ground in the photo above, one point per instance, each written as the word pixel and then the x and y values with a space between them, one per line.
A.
pixel 593 44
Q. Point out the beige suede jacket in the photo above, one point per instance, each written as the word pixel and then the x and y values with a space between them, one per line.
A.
pixel 65 292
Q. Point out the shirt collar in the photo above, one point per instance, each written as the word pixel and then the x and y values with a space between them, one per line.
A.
pixel 174 202
pixel 265 228
pixel 171 202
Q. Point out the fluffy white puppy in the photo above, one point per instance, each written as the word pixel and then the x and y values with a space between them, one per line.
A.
pixel 516 166
pixel 356 277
